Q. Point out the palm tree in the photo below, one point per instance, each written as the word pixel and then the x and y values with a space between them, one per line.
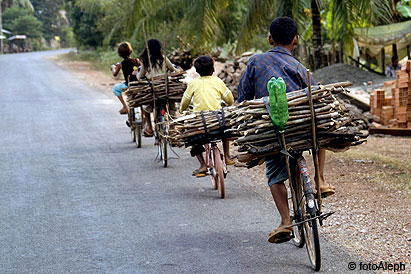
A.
pixel 342 16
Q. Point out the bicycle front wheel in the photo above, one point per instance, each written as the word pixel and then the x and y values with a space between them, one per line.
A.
pixel 219 172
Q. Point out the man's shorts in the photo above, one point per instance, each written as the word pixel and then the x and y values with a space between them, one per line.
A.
pixel 118 88
pixel 196 150
pixel 276 169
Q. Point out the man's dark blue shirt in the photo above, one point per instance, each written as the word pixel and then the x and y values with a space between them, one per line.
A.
pixel 278 62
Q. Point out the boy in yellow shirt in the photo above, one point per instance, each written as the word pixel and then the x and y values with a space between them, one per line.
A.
pixel 207 93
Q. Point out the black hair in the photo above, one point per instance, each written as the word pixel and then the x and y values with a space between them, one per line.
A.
pixel 124 50
pixel 204 65
pixel 394 57
pixel 283 30
pixel 156 57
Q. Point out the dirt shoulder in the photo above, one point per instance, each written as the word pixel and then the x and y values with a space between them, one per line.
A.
pixel 373 181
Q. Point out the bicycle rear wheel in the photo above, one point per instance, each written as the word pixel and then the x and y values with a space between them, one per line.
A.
pixel 297 213
pixel 211 167
pixel 309 210
pixel 312 239
pixel 130 123
pixel 163 144
pixel 219 172
pixel 137 134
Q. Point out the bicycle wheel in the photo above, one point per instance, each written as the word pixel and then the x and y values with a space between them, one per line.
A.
pixel 309 208
pixel 210 165
pixel 296 214
pixel 138 133
pixel 130 124
pixel 219 172
pixel 163 144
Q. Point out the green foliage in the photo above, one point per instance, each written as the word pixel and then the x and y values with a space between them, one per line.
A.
pixel 208 25
pixel 28 25
pixel 85 28
pixel 342 16
pixel 47 11
pixel 17 3
pixel 11 14
pixel 404 8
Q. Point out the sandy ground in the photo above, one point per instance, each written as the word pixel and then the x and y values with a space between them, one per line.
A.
pixel 373 182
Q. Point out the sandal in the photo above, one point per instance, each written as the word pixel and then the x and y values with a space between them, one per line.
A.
pixel 280 235
pixel 327 191
pixel 230 162
pixel 199 173
pixel 147 133
pixel 195 172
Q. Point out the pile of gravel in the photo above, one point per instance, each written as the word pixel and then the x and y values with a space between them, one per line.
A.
pixel 344 72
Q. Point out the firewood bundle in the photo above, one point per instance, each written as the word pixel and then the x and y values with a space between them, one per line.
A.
pixel 250 125
pixel 334 129
pixel 233 70
pixel 201 127
pixel 181 58
pixel 142 92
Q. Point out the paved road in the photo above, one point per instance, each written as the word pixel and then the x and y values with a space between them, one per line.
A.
pixel 77 197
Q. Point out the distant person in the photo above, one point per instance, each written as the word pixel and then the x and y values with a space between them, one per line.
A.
pixel 391 71
pixel 157 60
pixel 207 93
pixel 279 62
pixel 128 65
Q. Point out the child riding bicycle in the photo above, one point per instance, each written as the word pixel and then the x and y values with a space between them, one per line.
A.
pixel 207 93
pixel 128 64
pixel 158 60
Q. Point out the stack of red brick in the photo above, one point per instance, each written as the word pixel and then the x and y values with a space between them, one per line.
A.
pixel 393 102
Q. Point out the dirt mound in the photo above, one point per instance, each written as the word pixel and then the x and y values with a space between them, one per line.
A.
pixel 345 72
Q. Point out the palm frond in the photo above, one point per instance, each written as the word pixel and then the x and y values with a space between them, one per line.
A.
pixel 91 6
pixel 258 12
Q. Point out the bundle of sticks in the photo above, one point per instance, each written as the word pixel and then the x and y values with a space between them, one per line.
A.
pixel 191 127
pixel 143 92
pixel 250 125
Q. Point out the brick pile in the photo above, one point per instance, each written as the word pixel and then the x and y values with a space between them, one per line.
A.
pixel 392 103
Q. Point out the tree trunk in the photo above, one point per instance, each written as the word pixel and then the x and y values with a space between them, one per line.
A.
pixel 318 50
pixel 1 32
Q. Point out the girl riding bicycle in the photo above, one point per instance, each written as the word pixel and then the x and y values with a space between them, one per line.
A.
pixel 128 64
pixel 157 62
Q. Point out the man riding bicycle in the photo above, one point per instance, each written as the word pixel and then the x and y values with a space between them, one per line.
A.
pixel 278 62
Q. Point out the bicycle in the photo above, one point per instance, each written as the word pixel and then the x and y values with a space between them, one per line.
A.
pixel 305 210
pixel 135 123
pixel 161 131
pixel 217 168
pixel 305 204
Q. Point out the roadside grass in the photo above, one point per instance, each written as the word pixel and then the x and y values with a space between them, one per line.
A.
pixel 388 171
pixel 100 60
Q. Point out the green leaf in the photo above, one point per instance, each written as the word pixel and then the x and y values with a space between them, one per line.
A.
pixel 404 9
